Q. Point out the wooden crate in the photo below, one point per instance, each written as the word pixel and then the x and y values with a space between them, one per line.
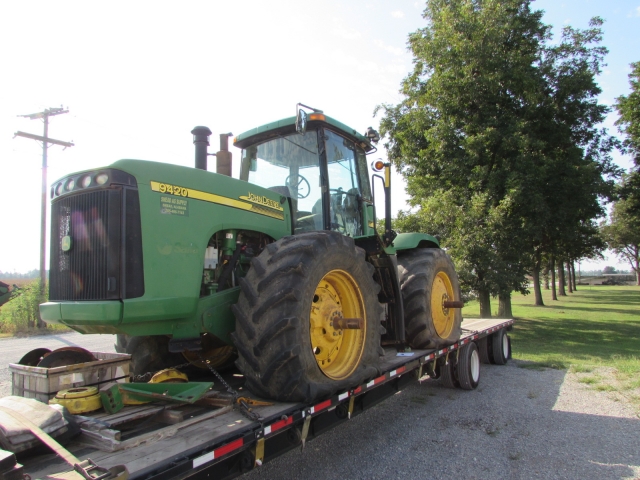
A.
pixel 43 383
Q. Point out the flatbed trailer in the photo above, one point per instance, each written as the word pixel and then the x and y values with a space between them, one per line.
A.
pixel 225 443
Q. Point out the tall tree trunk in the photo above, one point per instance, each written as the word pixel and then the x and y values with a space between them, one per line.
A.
pixel 536 278
pixel 545 276
pixel 561 291
pixel 569 280
pixel 573 275
pixel 554 296
pixel 485 303
pixel 504 306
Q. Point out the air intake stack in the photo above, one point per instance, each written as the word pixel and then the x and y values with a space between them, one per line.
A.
pixel 223 157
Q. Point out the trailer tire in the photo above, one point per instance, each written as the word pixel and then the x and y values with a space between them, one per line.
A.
pixel 500 347
pixel 425 274
pixel 291 296
pixel 483 350
pixel 468 367
pixel 148 354
pixel 448 375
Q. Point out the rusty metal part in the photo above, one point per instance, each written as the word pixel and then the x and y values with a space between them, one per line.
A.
pixel 348 323
pixel 32 358
pixel 251 401
pixel 453 304
pixel 216 399
pixel 215 356
pixel 64 356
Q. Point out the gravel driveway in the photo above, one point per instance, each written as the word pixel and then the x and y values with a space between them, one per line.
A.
pixel 519 423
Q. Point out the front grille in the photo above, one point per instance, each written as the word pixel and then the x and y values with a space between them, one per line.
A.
pixel 89 245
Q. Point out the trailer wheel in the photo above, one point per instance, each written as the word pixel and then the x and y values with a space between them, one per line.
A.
pixel 469 367
pixel 483 350
pixel 448 375
pixel 427 279
pixel 291 337
pixel 148 354
pixel 500 347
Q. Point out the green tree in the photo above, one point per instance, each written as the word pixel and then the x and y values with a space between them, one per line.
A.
pixel 578 173
pixel 501 129
pixel 462 134
pixel 21 313
pixel 622 234
pixel 628 107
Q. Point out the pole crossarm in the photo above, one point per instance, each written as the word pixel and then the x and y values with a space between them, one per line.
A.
pixel 43 139
pixel 49 112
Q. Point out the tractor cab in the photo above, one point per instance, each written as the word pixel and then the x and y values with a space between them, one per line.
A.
pixel 318 165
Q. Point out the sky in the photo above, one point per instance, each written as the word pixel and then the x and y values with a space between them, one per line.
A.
pixel 137 76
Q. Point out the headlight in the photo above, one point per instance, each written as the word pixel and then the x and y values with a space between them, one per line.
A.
pixel 86 181
pixel 71 183
pixel 102 178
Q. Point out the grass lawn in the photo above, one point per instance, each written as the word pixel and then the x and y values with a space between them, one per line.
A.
pixel 595 327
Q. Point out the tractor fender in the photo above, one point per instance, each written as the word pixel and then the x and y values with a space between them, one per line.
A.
pixel 408 241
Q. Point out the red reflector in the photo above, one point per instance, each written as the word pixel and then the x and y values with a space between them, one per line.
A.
pixel 322 406
pixel 282 423
pixel 230 447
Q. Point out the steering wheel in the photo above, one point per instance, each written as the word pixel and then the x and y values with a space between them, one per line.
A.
pixel 300 187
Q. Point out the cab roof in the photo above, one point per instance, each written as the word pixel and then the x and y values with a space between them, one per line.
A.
pixel 287 125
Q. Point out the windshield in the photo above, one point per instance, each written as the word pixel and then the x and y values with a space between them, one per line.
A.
pixel 289 165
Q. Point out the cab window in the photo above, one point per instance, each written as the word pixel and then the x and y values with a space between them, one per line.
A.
pixel 289 165
pixel 345 194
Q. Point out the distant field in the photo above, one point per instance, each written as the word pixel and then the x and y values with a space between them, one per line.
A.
pixel 21 282
pixel 592 331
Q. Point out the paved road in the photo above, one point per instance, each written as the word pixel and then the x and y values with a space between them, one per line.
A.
pixel 12 349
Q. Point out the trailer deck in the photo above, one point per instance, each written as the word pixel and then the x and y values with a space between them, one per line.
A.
pixel 224 443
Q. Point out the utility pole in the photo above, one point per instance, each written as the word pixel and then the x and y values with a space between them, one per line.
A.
pixel 49 112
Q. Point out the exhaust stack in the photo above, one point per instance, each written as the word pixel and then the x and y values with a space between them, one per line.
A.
pixel 201 141
pixel 223 157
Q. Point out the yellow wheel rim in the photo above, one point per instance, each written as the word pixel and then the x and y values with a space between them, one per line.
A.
pixel 442 291
pixel 78 400
pixel 337 351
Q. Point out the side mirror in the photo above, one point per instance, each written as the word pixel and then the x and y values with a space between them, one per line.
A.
pixel 301 121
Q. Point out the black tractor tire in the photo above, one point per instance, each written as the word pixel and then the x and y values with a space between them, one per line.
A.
pixel 468 368
pixel 148 354
pixel 501 346
pixel 420 271
pixel 274 335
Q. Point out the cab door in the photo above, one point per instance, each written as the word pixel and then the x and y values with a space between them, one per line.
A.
pixel 345 191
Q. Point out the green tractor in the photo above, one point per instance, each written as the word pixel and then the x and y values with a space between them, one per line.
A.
pixel 281 270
